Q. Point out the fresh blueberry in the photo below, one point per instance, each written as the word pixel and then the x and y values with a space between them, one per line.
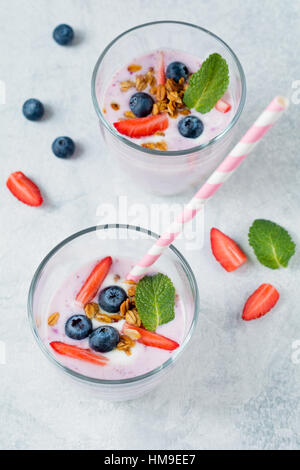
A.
pixel 111 298
pixel 104 339
pixel 63 147
pixel 33 109
pixel 141 104
pixel 190 127
pixel 78 327
pixel 177 70
pixel 63 34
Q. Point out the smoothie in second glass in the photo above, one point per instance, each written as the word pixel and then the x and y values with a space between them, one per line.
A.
pixel 103 327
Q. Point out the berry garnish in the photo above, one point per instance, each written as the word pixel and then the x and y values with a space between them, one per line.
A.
pixel 78 327
pixel 190 127
pixel 24 189
pixel 104 339
pixel 94 281
pixel 78 353
pixel 177 70
pixel 149 338
pixel 141 104
pixel 223 106
pixel 260 302
pixel 63 147
pixel 111 298
pixel 155 300
pixel 272 244
pixel 161 75
pixel 142 127
pixel 226 251
pixel 33 109
pixel 63 34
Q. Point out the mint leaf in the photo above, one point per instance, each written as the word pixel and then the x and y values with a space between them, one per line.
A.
pixel 271 243
pixel 155 300
pixel 207 85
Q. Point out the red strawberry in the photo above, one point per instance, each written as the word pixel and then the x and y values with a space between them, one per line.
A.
pixel 226 251
pixel 94 281
pixel 223 106
pixel 148 338
pixel 24 189
pixel 142 127
pixel 161 75
pixel 78 353
pixel 260 302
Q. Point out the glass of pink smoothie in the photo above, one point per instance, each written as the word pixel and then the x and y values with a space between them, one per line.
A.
pixel 165 163
pixel 61 275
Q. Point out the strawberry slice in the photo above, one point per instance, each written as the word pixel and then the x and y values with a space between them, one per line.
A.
pixel 148 338
pixel 260 302
pixel 161 75
pixel 24 189
pixel 78 353
pixel 226 251
pixel 142 127
pixel 223 106
pixel 94 281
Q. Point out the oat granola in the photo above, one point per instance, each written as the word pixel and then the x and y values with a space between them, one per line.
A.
pixel 125 344
pixel 91 310
pixel 53 319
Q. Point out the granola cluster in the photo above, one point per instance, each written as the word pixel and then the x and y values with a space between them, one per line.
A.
pixel 92 311
pixel 168 98
pixel 126 343
pixel 141 81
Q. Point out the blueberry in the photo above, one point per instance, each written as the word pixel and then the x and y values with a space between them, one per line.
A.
pixel 78 327
pixel 177 70
pixel 63 147
pixel 111 298
pixel 33 109
pixel 104 339
pixel 141 104
pixel 63 34
pixel 190 127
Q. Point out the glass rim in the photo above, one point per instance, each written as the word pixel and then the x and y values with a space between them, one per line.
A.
pixel 188 272
pixel 170 153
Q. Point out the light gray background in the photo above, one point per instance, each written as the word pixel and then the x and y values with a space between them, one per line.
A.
pixel 236 387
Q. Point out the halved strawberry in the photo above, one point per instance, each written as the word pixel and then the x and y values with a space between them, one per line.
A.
pixel 24 189
pixel 148 338
pixel 260 302
pixel 78 353
pixel 223 106
pixel 94 281
pixel 161 75
pixel 142 127
pixel 226 251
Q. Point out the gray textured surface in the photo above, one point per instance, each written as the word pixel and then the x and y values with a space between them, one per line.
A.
pixel 236 387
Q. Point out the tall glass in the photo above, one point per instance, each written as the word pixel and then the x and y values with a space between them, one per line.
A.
pixel 117 241
pixel 170 172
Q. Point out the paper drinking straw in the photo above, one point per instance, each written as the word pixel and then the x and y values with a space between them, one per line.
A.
pixel 229 165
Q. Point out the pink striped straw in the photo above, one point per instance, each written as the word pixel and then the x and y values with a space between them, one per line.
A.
pixel 229 165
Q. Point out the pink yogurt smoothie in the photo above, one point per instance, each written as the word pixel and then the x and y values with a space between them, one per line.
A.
pixel 120 366
pixel 214 121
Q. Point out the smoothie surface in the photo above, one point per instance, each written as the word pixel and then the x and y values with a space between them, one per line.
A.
pixel 117 97
pixel 143 358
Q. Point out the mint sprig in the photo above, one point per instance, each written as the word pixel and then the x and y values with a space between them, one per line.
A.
pixel 207 85
pixel 272 244
pixel 155 300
